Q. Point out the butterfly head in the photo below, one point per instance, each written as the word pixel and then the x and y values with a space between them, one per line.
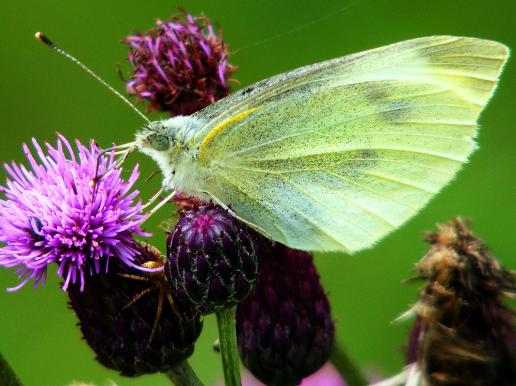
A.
pixel 168 141
pixel 167 135
pixel 155 137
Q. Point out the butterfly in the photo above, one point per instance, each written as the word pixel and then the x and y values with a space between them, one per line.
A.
pixel 335 155
pixel 332 156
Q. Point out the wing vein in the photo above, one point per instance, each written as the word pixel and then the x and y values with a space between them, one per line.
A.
pixel 336 151
pixel 455 74
pixel 497 58
pixel 413 164
pixel 293 135
pixel 349 180
pixel 399 182
pixel 297 170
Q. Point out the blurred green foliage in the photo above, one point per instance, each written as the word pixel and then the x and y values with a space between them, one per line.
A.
pixel 42 93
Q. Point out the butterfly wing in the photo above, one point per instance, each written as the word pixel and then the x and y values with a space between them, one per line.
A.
pixel 336 155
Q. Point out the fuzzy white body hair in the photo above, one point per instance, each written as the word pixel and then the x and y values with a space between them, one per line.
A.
pixel 179 166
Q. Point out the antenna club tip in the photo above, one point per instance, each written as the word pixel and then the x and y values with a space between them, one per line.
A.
pixel 40 36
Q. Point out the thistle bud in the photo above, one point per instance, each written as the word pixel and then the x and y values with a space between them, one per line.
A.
pixel 129 319
pixel 212 259
pixel 463 335
pixel 180 66
pixel 284 328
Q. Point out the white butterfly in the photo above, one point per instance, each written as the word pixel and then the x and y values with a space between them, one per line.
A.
pixel 335 155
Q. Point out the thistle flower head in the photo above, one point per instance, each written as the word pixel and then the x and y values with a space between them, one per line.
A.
pixel 464 334
pixel 284 328
pixel 53 212
pixel 129 319
pixel 180 66
pixel 212 259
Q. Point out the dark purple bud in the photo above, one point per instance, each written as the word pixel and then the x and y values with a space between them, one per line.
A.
pixel 464 334
pixel 180 66
pixel 212 259
pixel 129 318
pixel 285 331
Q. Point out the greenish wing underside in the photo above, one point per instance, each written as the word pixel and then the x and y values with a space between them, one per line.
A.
pixel 336 155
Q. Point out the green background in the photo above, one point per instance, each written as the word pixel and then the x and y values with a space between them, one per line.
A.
pixel 42 93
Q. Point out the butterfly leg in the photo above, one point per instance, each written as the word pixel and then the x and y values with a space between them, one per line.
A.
pixel 161 203
pixel 125 155
pixel 154 197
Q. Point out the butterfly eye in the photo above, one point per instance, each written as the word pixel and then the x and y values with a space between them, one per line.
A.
pixel 159 142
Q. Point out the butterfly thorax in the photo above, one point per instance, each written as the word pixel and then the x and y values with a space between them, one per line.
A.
pixel 171 144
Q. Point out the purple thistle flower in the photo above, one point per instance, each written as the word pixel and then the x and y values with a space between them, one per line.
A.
pixel 51 214
pixel 180 66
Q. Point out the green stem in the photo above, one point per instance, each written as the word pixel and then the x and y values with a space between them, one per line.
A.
pixel 7 375
pixel 183 375
pixel 346 366
pixel 228 346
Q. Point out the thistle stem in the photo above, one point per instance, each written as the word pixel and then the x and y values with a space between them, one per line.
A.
pixel 346 366
pixel 228 346
pixel 183 375
pixel 7 375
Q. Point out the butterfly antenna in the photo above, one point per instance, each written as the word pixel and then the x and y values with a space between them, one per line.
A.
pixel 45 40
